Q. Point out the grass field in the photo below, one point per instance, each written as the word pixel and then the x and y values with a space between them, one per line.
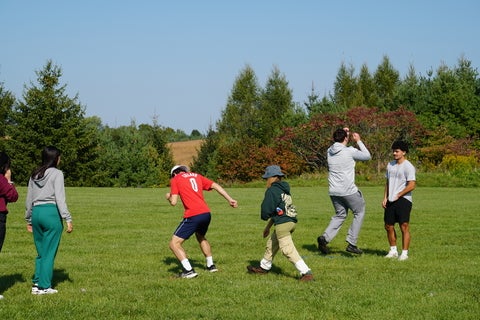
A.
pixel 117 265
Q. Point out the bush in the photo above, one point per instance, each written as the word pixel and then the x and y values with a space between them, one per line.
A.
pixel 459 164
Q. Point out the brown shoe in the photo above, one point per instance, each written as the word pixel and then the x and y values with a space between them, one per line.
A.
pixel 257 270
pixel 306 277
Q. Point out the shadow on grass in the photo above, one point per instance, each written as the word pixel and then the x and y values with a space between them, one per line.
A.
pixel 275 270
pixel 334 251
pixel 59 276
pixel 375 252
pixel 9 281
pixel 176 267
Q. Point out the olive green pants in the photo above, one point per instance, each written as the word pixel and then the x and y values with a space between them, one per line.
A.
pixel 47 230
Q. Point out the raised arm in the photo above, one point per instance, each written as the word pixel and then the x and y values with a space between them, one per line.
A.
pixel 233 203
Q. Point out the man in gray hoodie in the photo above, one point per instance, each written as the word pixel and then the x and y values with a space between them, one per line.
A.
pixel 342 189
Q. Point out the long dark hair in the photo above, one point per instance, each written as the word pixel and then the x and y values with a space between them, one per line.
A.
pixel 4 162
pixel 50 157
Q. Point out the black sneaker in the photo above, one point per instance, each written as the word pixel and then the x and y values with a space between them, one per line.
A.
pixel 212 268
pixel 322 245
pixel 353 249
pixel 188 274
pixel 257 270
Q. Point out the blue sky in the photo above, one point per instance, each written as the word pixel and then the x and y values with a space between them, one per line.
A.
pixel 178 60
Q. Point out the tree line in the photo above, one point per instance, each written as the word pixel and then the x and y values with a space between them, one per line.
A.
pixel 260 125
pixel 437 114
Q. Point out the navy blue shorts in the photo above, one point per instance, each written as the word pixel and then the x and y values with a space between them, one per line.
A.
pixel 397 211
pixel 196 224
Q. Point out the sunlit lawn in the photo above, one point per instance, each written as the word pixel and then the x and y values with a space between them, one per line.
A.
pixel 117 265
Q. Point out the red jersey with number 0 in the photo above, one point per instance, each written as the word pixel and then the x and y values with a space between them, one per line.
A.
pixel 189 186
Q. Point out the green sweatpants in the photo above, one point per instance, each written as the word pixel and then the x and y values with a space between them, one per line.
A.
pixel 47 230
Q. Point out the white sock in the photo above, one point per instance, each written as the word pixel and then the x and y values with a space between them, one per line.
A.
pixel 209 261
pixel 186 264
pixel 265 264
pixel 302 266
pixel 404 252
pixel 393 249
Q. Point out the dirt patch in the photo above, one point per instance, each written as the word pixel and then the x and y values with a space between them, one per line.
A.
pixel 184 151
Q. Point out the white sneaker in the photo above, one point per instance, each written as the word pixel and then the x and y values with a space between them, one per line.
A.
pixel 392 254
pixel 45 291
pixel 35 289
pixel 402 257
pixel 1 297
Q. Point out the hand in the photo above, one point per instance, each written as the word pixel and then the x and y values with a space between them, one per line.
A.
pixel 355 137
pixel 384 203
pixel 233 203
pixel 69 227
pixel 8 175
pixel 29 228
pixel 167 195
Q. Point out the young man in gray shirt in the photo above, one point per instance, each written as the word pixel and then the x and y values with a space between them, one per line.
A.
pixel 343 192
pixel 397 199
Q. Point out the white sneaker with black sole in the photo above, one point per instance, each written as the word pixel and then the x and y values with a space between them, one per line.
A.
pixel 44 291
pixel 35 289
pixel 212 268
pixel 188 274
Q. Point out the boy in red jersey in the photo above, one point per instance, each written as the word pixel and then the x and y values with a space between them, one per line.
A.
pixel 196 218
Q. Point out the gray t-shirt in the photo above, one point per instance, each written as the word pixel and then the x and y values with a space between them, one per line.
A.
pixel 398 176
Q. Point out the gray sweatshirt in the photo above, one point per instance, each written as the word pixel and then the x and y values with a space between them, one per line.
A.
pixel 49 189
pixel 341 167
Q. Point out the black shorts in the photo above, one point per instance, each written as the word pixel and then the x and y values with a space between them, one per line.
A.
pixel 397 211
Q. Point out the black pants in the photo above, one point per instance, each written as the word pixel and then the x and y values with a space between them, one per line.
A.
pixel 3 228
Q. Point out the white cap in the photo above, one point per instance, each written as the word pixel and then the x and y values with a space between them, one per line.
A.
pixel 178 166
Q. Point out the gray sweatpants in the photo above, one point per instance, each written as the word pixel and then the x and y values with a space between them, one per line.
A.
pixel 354 202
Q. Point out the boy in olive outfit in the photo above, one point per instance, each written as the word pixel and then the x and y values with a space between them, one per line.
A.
pixel 278 209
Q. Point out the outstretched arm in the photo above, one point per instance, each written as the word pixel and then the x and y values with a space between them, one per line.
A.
pixel 233 203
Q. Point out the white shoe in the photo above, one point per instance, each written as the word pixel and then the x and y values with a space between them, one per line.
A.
pixel 35 289
pixel 44 291
pixel 392 254
pixel 1 297
pixel 402 257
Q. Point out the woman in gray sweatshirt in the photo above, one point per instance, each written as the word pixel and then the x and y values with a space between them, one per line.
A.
pixel 45 209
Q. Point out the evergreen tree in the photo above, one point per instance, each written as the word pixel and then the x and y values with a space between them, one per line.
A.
pixel 386 80
pixel 313 103
pixel 48 116
pixel 345 87
pixel 408 92
pixel 276 107
pixel 205 162
pixel 239 119
pixel 366 89
pixel 7 101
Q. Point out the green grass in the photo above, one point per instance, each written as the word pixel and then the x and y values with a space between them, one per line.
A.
pixel 117 265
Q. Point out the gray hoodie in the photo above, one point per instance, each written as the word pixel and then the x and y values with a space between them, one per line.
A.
pixel 48 189
pixel 341 167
